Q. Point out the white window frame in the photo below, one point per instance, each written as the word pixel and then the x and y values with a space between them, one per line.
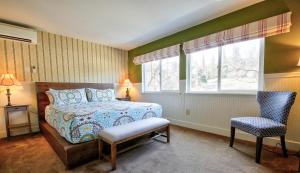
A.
pixel 219 91
pixel 160 88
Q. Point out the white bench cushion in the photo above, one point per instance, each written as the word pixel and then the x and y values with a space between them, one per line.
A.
pixel 117 133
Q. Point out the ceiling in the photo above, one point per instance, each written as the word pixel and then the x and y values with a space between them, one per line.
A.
pixel 122 24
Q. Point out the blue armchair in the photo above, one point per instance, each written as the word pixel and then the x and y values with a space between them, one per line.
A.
pixel 274 110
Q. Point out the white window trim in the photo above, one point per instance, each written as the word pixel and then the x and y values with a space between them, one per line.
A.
pixel 160 90
pixel 229 92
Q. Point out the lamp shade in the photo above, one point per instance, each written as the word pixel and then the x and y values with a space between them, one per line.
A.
pixel 8 80
pixel 127 83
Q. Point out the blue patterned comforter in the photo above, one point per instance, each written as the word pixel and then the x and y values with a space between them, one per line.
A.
pixel 81 122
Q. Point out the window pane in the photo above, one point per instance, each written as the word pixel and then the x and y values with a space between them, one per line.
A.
pixel 151 74
pixel 203 70
pixel 240 66
pixel 170 73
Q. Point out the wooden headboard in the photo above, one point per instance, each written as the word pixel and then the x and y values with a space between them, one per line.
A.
pixel 42 87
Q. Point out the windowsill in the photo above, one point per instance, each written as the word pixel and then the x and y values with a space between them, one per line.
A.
pixel 161 92
pixel 246 93
pixel 222 93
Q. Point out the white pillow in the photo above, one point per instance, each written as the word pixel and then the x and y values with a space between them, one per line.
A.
pixel 95 95
pixel 69 96
pixel 50 97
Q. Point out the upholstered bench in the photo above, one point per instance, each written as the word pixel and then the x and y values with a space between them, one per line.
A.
pixel 119 134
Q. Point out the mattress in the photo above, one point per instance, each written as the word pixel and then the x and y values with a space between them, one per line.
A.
pixel 79 123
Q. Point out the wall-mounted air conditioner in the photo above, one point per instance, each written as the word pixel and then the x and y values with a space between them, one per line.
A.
pixel 12 32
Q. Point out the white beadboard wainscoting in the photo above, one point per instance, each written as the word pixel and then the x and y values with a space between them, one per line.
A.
pixel 212 112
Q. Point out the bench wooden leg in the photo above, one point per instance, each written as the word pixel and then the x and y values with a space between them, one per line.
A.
pixel 113 148
pixel 100 145
pixel 168 134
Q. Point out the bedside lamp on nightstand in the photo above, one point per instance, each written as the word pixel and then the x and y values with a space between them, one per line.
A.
pixel 127 84
pixel 8 80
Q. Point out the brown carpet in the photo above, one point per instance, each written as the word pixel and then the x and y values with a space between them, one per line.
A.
pixel 189 152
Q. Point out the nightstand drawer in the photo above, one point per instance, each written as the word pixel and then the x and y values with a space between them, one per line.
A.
pixel 18 108
pixel 12 126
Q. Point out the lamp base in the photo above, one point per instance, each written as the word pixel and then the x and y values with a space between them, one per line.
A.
pixel 8 97
pixel 127 93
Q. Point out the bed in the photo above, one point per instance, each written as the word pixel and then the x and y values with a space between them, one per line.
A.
pixel 71 130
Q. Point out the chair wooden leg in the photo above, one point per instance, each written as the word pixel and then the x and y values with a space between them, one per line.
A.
pixel 259 142
pixel 232 136
pixel 282 139
pixel 100 145
pixel 113 148
pixel 168 134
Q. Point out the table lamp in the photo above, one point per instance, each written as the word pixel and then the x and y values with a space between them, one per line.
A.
pixel 8 80
pixel 127 85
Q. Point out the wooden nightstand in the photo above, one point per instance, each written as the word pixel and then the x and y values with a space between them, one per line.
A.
pixel 124 99
pixel 16 108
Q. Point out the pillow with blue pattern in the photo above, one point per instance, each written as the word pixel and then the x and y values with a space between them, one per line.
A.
pixel 66 97
pixel 96 95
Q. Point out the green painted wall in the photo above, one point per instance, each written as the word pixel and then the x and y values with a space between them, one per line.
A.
pixel 281 51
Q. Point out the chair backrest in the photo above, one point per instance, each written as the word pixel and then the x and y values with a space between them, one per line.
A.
pixel 276 105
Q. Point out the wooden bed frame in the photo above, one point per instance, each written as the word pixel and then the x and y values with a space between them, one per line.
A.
pixel 71 154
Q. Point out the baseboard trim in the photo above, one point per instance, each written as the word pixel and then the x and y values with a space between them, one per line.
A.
pixel 291 145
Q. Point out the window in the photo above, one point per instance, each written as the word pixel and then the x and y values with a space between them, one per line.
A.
pixel 203 70
pixel 235 67
pixel 161 75
pixel 151 71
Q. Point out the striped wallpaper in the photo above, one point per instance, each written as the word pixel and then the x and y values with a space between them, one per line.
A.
pixel 58 58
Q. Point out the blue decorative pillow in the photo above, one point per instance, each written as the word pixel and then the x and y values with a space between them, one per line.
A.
pixel 70 96
pixel 95 95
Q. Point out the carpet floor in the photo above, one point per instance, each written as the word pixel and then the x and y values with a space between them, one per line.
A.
pixel 190 151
